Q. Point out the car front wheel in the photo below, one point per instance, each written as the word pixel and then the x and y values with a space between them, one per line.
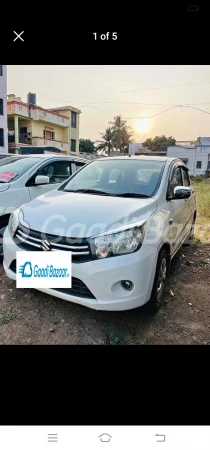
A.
pixel 192 231
pixel 159 282
pixel 190 236
pixel 2 229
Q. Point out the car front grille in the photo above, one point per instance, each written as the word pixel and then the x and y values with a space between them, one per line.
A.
pixel 78 288
pixel 31 240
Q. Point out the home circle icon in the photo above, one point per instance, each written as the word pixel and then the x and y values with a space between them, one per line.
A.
pixel 105 437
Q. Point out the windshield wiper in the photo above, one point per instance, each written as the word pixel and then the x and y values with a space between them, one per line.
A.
pixel 88 191
pixel 132 194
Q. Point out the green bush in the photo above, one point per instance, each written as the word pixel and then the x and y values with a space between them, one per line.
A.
pixel 197 178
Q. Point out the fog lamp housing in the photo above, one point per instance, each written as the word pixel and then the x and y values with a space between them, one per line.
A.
pixel 127 285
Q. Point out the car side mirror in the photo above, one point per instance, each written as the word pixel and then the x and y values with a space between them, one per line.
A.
pixel 42 179
pixel 181 192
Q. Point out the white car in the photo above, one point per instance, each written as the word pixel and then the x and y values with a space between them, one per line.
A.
pixel 23 178
pixel 123 219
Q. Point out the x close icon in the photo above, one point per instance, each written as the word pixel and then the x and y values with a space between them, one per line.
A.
pixel 18 36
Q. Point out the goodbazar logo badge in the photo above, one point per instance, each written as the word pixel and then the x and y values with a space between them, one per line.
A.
pixel 26 270
pixel 48 270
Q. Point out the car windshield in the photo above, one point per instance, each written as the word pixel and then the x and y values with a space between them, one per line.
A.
pixel 120 177
pixel 12 168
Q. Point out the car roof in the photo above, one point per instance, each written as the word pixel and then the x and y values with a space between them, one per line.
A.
pixel 139 158
pixel 44 156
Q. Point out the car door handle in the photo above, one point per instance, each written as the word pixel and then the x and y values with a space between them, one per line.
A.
pixel 170 221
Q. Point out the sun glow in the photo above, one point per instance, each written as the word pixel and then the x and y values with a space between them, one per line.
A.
pixel 143 125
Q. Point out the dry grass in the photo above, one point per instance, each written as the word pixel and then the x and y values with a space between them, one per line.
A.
pixel 202 190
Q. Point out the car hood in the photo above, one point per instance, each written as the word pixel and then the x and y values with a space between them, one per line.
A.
pixel 76 214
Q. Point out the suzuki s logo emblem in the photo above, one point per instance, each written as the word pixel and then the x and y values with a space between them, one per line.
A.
pixel 45 246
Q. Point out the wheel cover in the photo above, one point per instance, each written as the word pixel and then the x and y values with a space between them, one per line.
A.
pixel 1 239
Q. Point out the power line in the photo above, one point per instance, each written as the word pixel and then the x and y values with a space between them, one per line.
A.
pixel 198 109
pixel 130 118
pixel 154 88
pixel 138 90
pixel 173 107
pixel 130 103
pixel 154 115
pixel 147 104
pixel 82 106
pixel 133 103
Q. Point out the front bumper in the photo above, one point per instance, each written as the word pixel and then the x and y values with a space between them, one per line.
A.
pixel 103 278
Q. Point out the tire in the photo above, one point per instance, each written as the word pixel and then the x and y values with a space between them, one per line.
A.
pixel 2 229
pixel 192 230
pixel 159 282
pixel 190 236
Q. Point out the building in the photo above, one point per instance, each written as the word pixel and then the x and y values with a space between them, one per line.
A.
pixel 3 109
pixel 135 148
pixel 112 153
pixel 73 115
pixel 148 152
pixel 186 143
pixel 138 150
pixel 32 125
pixel 195 156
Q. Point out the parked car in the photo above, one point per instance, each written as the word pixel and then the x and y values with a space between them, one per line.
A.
pixel 22 178
pixel 5 155
pixel 123 219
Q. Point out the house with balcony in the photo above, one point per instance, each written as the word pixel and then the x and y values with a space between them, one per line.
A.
pixel 74 115
pixel 32 125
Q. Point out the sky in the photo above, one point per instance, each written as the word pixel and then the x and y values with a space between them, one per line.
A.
pixel 132 91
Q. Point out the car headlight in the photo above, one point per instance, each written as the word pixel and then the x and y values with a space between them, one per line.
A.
pixel 127 240
pixel 14 221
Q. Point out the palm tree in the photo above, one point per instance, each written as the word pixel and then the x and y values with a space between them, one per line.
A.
pixel 126 139
pixel 108 140
pixel 122 136
pixel 118 123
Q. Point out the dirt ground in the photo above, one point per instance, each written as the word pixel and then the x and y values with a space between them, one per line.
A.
pixel 30 317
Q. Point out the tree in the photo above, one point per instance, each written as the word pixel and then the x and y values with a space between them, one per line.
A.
pixel 86 146
pixel 118 123
pixel 122 135
pixel 107 142
pixel 148 143
pixel 159 143
pixel 125 140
